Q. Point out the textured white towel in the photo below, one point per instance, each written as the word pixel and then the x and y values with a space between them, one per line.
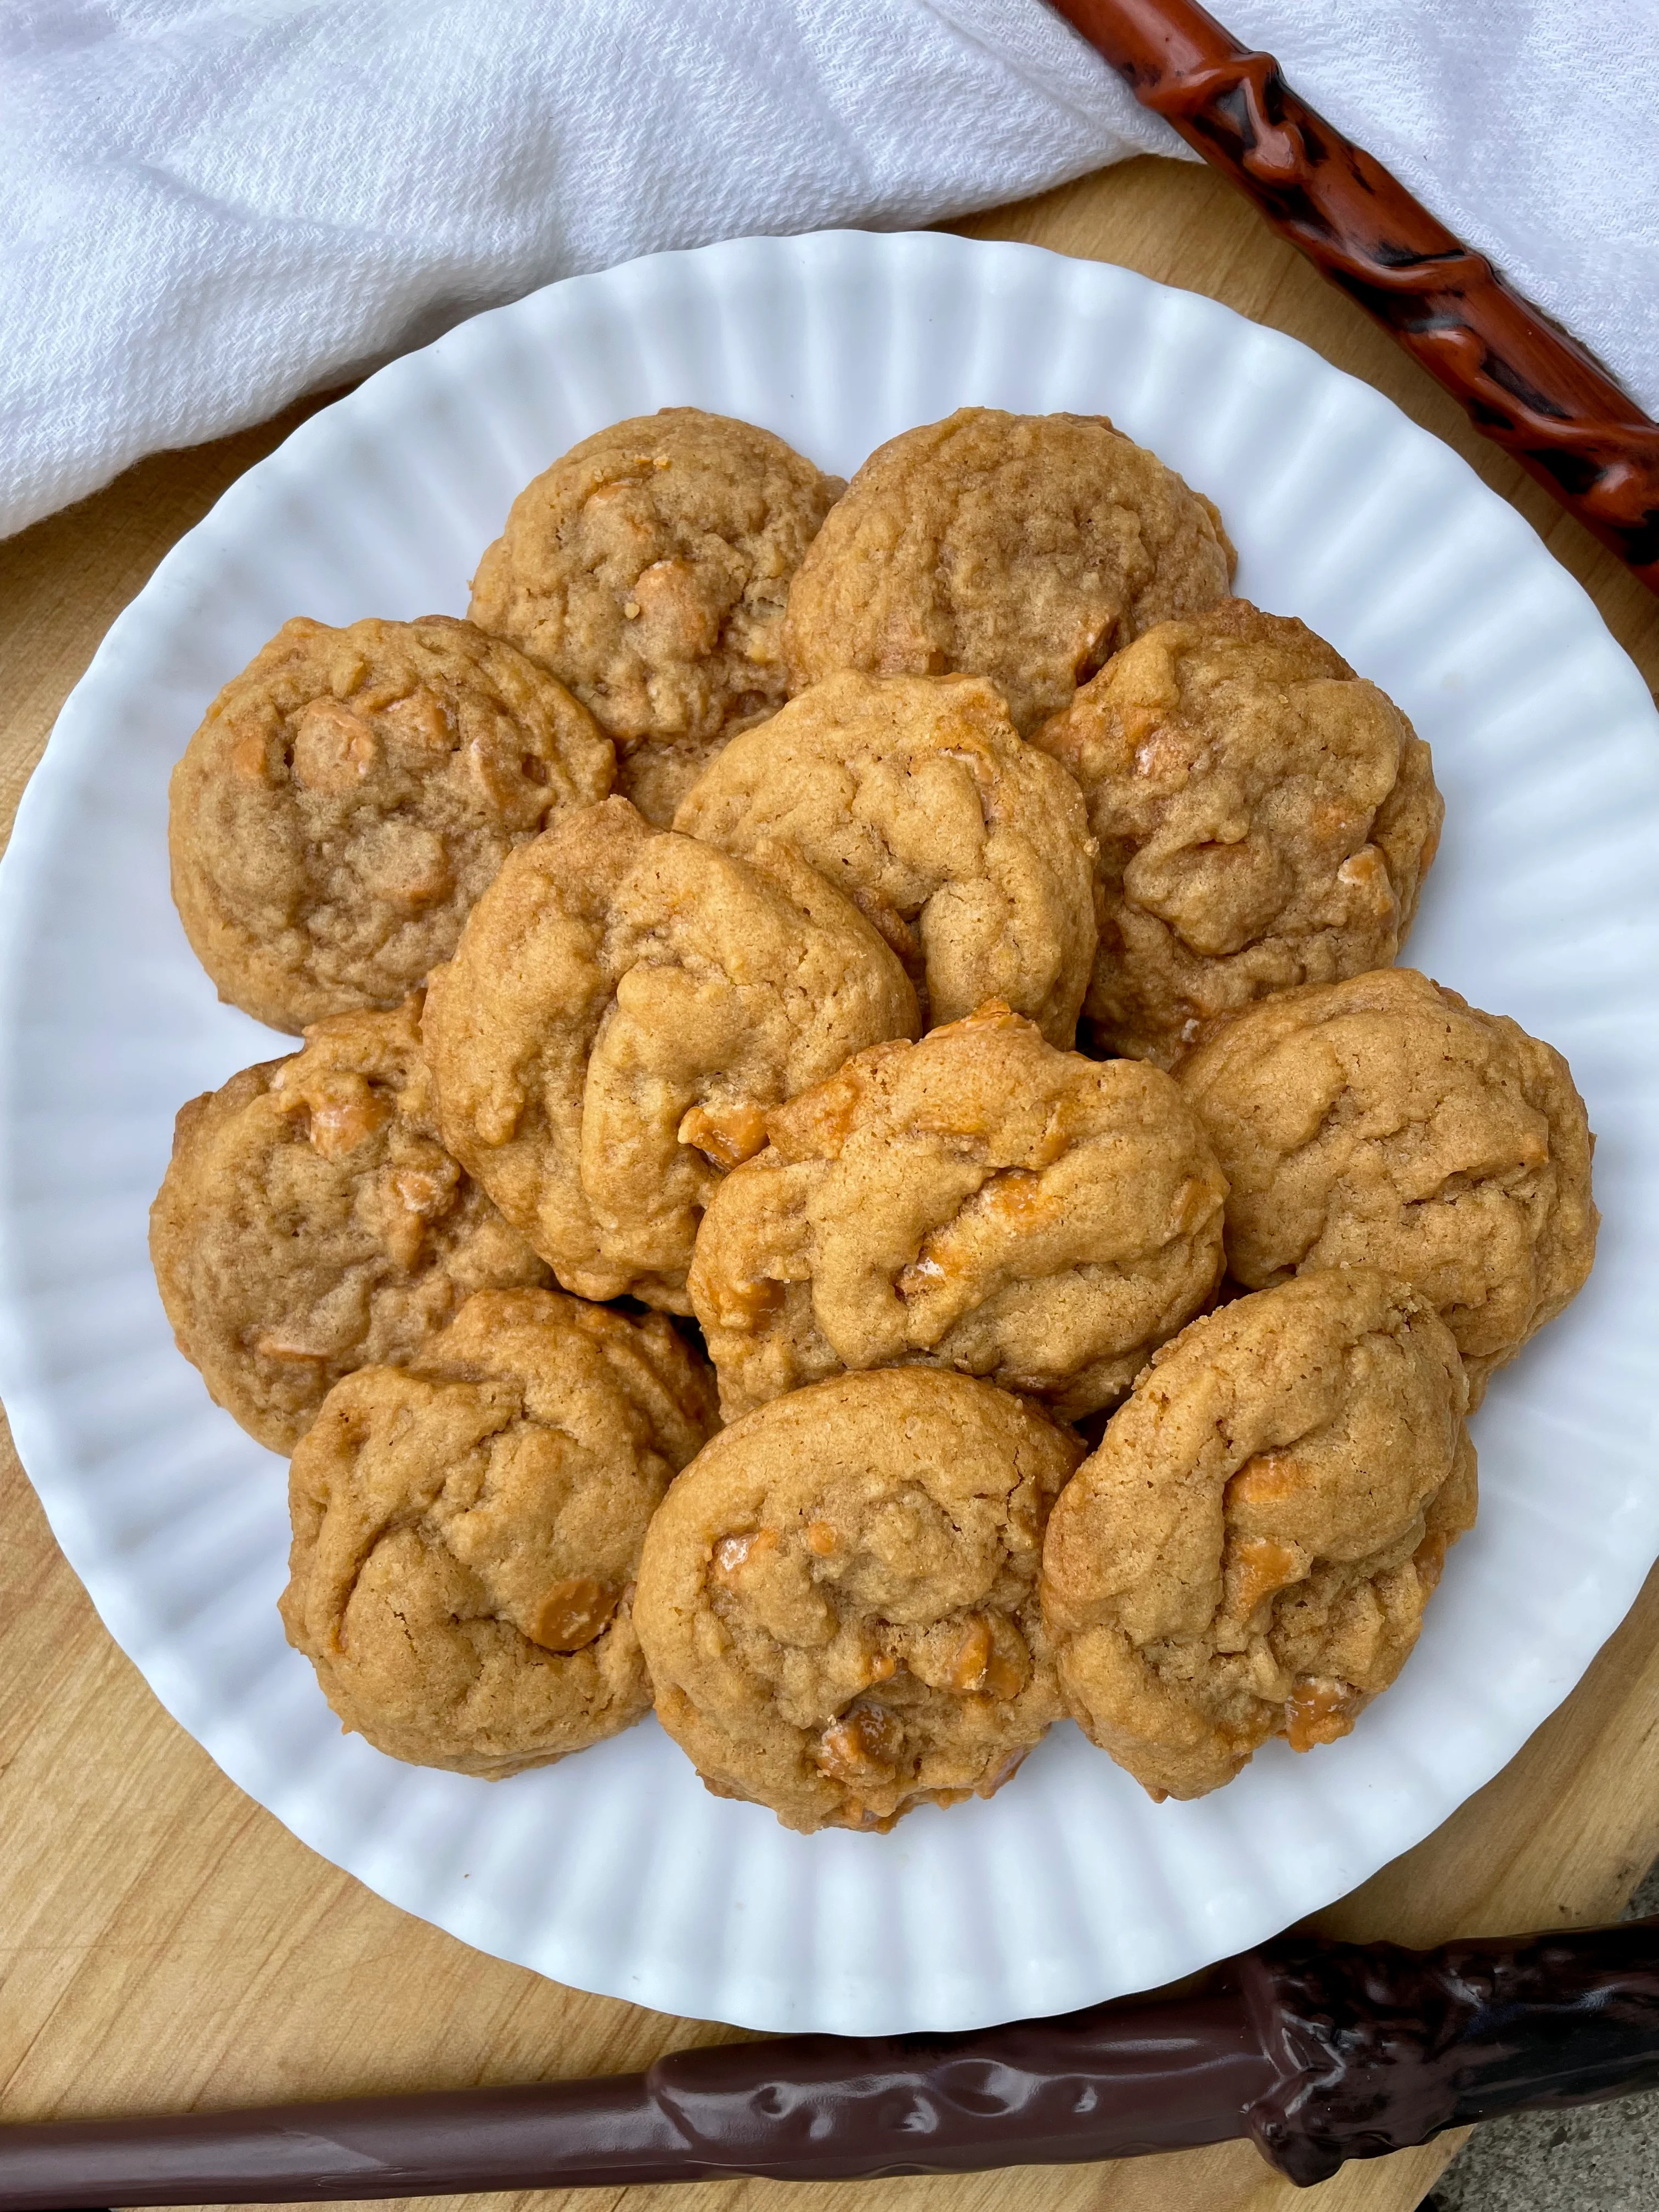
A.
pixel 209 206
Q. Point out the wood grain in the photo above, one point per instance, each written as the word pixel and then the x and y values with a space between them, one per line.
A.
pixel 165 1943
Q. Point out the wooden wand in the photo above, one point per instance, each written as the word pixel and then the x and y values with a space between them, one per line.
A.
pixel 1524 384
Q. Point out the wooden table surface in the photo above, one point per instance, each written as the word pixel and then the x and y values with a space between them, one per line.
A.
pixel 165 1943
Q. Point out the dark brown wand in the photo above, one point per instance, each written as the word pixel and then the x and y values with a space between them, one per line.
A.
pixel 1524 384
pixel 1320 2051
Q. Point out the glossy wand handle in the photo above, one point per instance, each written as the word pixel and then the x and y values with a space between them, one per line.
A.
pixel 1376 2048
pixel 1149 2075
pixel 1321 2051
pixel 1523 383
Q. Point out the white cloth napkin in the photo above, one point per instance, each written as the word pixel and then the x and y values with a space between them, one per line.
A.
pixel 210 206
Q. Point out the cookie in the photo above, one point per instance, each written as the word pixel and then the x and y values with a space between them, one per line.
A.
pixel 310 1223
pixel 838 1598
pixel 1024 548
pixel 655 778
pixel 916 795
pixel 978 1202
pixel 1382 1119
pixel 348 796
pixel 1264 818
pixel 1249 1551
pixel 467 1530
pixel 623 1008
pixel 649 569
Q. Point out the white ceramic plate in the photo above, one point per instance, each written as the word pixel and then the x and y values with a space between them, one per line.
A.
pixel 615 1871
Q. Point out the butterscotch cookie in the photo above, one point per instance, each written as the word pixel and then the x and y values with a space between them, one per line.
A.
pixel 623 1008
pixel 655 778
pixel 467 1530
pixel 310 1223
pixel 348 796
pixel 1249 1551
pixel 978 1202
pixel 649 569
pixel 1264 818
pixel 1024 548
pixel 916 795
pixel 1382 1119
pixel 838 1598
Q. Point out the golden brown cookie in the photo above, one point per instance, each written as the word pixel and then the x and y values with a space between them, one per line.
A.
pixel 655 778
pixel 1383 1119
pixel 649 569
pixel 1249 1551
pixel 1025 548
pixel 1264 816
pixel 914 794
pixel 978 1202
pixel 624 1006
pixel 311 1222
pixel 467 1530
pixel 838 1598
pixel 348 796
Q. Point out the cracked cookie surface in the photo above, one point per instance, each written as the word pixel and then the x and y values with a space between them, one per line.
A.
pixel 1264 818
pixel 649 569
pixel 348 796
pixel 1023 548
pixel 977 1201
pixel 311 1222
pixel 1249 1551
pixel 916 796
pixel 1384 1119
pixel 623 1008
pixel 838 1598
pixel 467 1530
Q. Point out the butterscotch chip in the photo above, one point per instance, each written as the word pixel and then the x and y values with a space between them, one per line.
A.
pixel 348 796
pixel 624 1007
pixel 977 1201
pixel 1249 1551
pixel 467 1530
pixel 1024 548
pixel 311 1222
pixel 838 1598
pixel 649 569
pixel 1382 1119
pixel 1264 818
pixel 914 795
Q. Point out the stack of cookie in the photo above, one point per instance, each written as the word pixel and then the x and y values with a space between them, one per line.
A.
pixel 692 951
